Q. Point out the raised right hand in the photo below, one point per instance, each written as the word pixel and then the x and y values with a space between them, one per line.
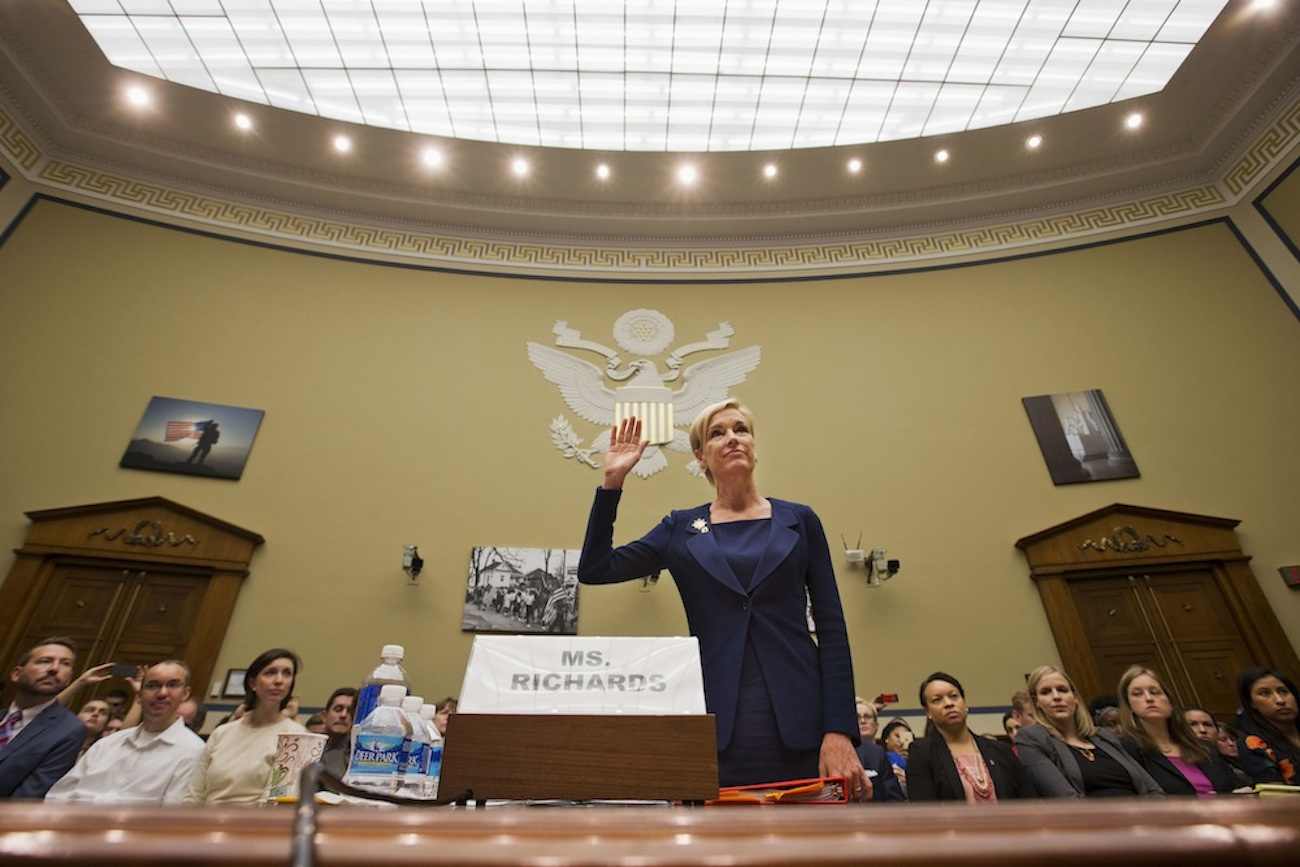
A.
pixel 625 450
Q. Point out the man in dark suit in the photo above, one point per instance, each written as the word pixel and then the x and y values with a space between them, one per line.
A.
pixel 884 783
pixel 39 737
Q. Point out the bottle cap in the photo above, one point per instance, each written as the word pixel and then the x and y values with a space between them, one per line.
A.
pixel 393 650
pixel 391 694
pixel 412 703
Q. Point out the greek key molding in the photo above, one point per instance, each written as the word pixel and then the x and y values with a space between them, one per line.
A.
pixel 15 144
pixel 1264 153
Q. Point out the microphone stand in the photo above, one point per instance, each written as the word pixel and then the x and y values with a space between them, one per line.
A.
pixel 302 846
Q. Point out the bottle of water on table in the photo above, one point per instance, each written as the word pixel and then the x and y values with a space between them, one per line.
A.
pixel 380 743
pixel 389 670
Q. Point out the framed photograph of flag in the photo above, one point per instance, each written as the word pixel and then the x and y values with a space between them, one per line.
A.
pixel 197 439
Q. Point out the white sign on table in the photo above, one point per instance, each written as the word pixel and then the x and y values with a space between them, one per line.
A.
pixel 531 674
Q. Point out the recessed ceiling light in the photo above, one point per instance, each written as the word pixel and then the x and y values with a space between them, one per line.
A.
pixel 602 172
pixel 1034 142
pixel 138 96
pixel 687 175
pixel 243 122
pixel 941 156
pixel 769 171
pixel 342 144
pixel 519 166
pixel 1134 120
pixel 431 157
pixel 855 166
pixel 1263 5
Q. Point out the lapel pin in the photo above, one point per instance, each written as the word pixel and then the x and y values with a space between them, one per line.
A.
pixel 701 525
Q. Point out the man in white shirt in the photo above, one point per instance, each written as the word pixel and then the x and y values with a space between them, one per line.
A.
pixel 148 764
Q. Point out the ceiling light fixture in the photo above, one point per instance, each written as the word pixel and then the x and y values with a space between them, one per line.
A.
pixel 855 166
pixel 342 144
pixel 1034 142
pixel 243 122
pixel 687 175
pixel 769 171
pixel 941 156
pixel 1134 120
pixel 138 96
pixel 519 166
pixel 602 172
pixel 1263 5
pixel 431 157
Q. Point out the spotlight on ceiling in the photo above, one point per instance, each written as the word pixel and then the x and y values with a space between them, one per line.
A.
pixel 769 171
pixel 602 172
pixel 519 167
pixel 687 175
pixel 1134 120
pixel 243 122
pixel 1263 5
pixel 855 166
pixel 138 96
pixel 342 144
pixel 1034 142
pixel 431 157
pixel 941 156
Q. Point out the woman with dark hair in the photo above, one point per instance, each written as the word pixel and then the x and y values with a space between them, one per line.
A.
pixel 236 761
pixel 896 737
pixel 950 763
pixel 1156 734
pixel 1268 740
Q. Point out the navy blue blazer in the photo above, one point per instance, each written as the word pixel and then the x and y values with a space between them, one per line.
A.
pixel 884 782
pixel 41 754
pixel 810 683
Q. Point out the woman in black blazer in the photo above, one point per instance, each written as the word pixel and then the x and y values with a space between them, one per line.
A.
pixel 950 763
pixel 1155 733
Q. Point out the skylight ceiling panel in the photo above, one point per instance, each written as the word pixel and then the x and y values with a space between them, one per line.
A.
pixel 913 102
pixel 1158 64
pixel 745 36
pixel 937 39
pixel 844 34
pixel 1094 18
pixel 1058 77
pixel 795 34
pixel 647 109
pixel 502 32
pixel 953 108
pixel 600 36
pixel 308 32
pixel 865 113
pixel 1142 20
pixel 286 88
pixel 197 7
pixel 1190 20
pixel 356 31
pixel 513 105
pixel 649 37
pixel 470 103
pixel 96 7
pixel 890 40
pixel 735 105
pixel 455 37
pixel 998 105
pixel 380 102
pixel 117 38
pixel 171 48
pixel 261 37
pixel 1106 74
pixel 332 93
pixel 1033 41
pixel 986 38
pixel 426 109
pixel 146 7
pixel 215 41
pixel 823 106
pixel 602 108
pixel 778 111
pixel 697 37
pixel 557 106
pixel 690 108
pixel 552 35
pixel 405 32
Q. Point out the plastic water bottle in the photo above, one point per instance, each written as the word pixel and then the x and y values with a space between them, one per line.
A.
pixel 417 751
pixel 434 767
pixel 379 744
pixel 389 670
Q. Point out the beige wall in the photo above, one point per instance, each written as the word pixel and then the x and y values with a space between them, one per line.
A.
pixel 1283 205
pixel 401 408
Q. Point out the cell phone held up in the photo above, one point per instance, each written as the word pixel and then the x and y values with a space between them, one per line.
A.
pixel 887 698
pixel 124 669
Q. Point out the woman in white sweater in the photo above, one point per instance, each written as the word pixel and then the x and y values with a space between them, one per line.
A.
pixel 237 760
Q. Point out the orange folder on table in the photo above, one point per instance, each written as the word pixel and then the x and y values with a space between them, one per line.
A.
pixel 816 790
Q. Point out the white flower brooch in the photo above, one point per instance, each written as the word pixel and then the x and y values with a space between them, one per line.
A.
pixel 701 525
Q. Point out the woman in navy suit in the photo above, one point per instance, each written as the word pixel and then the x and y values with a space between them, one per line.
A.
pixel 744 566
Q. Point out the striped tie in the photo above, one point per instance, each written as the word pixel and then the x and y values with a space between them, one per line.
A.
pixel 9 727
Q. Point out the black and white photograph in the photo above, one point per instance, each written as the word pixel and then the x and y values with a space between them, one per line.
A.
pixel 528 590
pixel 1079 437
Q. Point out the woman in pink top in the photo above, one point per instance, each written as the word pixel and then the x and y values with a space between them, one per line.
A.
pixel 1157 735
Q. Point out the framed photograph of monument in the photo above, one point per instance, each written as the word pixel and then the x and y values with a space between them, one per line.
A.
pixel 1079 437
pixel 529 590
pixel 193 438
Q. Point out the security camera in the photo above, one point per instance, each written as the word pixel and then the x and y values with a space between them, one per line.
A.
pixel 411 562
pixel 879 568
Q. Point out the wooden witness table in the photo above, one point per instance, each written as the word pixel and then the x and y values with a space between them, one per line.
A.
pixel 1234 832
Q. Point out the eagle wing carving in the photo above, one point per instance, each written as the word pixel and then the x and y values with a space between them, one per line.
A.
pixel 581 383
pixel 708 381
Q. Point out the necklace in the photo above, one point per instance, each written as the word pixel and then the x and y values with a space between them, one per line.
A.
pixel 1089 753
pixel 974 772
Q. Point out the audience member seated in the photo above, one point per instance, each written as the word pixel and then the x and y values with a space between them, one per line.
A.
pixel 880 771
pixel 1022 709
pixel 443 712
pixel 113 726
pixel 1065 755
pixel 1268 739
pixel 233 767
pixel 315 724
pixel 94 716
pixel 291 709
pixel 338 725
pixel 950 763
pixel 1155 733
pixel 897 739
pixel 1205 728
pixel 1105 713
pixel 150 763
pixel 119 702
pixel 39 737
pixel 1010 725
pixel 193 714
pixel 868 719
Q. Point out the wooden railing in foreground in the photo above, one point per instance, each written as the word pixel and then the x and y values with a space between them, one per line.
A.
pixel 1229 832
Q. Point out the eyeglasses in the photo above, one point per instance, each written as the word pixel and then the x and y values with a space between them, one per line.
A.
pixel 156 685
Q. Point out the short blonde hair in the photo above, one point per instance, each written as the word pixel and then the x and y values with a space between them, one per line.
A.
pixel 701 425
pixel 1082 722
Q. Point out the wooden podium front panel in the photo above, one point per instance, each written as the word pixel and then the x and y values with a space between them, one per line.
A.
pixel 579 758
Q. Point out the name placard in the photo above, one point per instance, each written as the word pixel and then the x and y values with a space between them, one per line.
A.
pixel 534 674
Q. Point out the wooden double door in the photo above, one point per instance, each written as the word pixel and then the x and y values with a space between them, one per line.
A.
pixel 1175 622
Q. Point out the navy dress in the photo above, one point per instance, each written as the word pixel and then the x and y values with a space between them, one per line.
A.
pixel 756 753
